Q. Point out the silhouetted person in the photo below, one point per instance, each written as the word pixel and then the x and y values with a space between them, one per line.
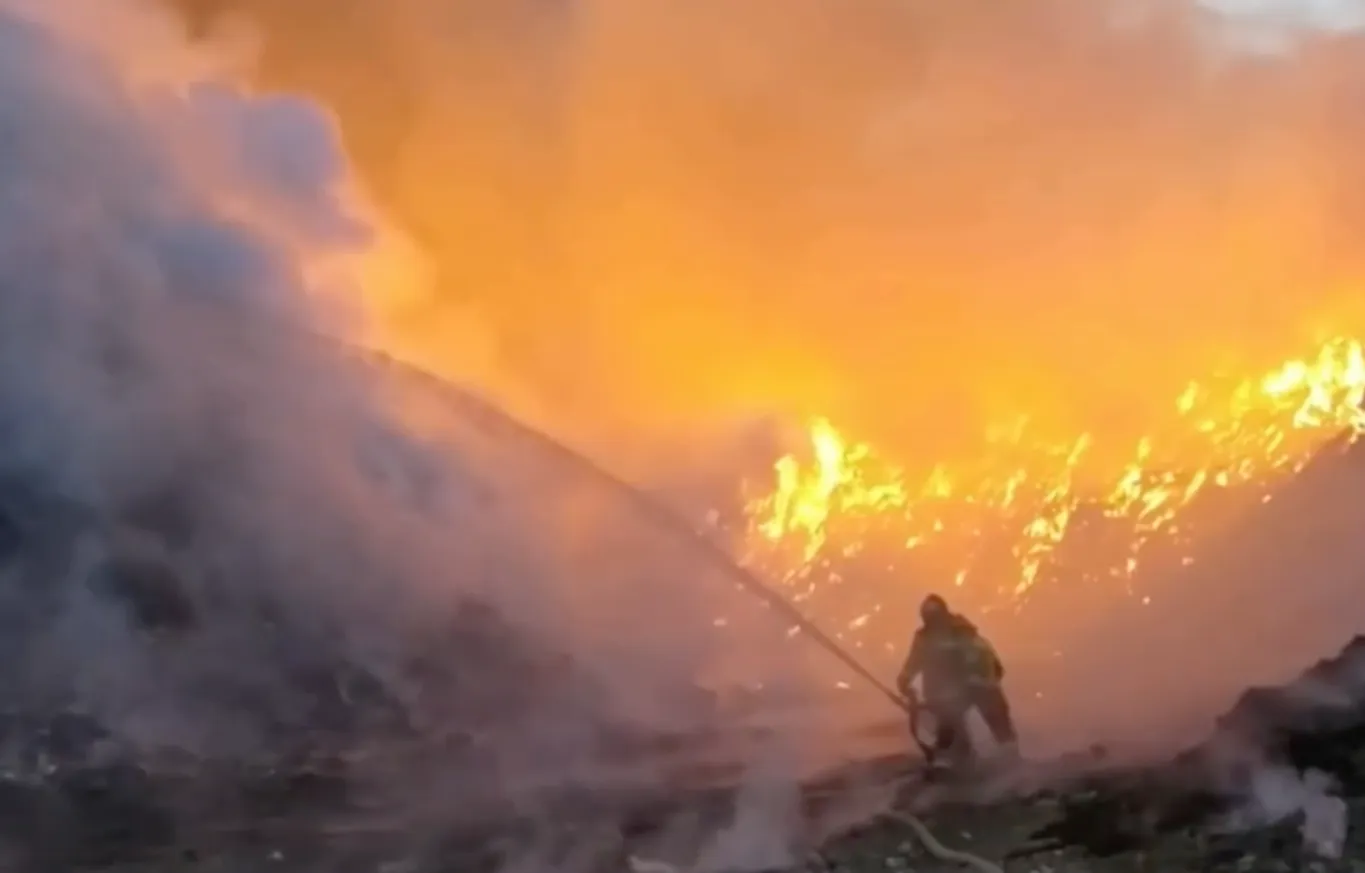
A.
pixel 958 671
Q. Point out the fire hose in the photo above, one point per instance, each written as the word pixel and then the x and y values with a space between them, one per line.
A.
pixel 931 843
pixel 656 512
pixel 662 515
pixel 478 409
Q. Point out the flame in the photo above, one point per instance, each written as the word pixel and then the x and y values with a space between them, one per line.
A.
pixel 1038 493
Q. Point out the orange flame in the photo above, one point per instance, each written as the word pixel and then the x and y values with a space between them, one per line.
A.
pixel 1035 490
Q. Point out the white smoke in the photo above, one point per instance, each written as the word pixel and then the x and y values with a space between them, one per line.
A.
pixel 1276 794
pixel 134 249
pixel 219 533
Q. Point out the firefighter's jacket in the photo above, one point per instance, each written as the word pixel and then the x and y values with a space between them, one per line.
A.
pixel 953 660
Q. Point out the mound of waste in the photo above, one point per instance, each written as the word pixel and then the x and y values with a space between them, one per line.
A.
pixel 69 797
pixel 1291 756
pixel 1279 785
pixel 229 654
pixel 330 738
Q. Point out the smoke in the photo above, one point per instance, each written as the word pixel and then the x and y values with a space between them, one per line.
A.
pixel 1276 794
pixel 136 414
pixel 952 208
pixel 766 817
pixel 649 220
pixel 226 539
pixel 1264 793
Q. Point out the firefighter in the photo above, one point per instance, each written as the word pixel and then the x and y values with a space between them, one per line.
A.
pixel 958 671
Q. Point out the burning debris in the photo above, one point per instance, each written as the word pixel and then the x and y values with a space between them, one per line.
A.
pixel 1030 498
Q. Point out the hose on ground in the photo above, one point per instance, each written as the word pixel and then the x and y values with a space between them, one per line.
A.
pixel 940 851
pixel 931 843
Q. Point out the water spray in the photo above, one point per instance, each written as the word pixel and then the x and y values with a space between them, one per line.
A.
pixel 471 405
pixel 476 408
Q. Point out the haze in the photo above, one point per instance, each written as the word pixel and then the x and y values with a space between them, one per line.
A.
pixel 646 225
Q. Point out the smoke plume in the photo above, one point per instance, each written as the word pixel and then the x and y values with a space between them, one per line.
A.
pixel 227 539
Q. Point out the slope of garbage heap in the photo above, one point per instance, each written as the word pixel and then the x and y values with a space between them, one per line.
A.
pixel 72 795
pixel 335 744
pixel 1280 784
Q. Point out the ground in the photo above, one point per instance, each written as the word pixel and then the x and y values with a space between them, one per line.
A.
pixel 1087 814
pixel 1013 833
pixel 1002 834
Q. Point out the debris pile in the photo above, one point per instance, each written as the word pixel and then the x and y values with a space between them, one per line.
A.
pixel 1282 780
pixel 1278 782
